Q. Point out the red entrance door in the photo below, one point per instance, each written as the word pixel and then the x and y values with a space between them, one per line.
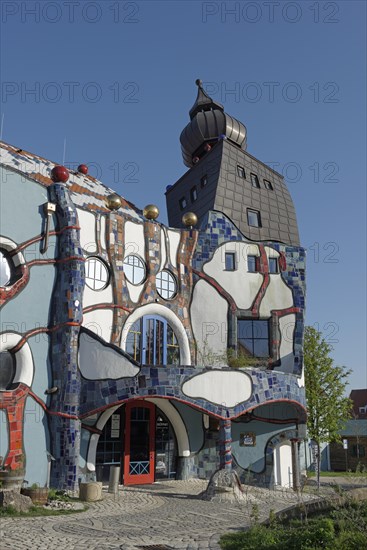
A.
pixel 139 459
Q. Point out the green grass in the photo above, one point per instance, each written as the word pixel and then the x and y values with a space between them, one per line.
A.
pixel 338 474
pixel 344 528
pixel 34 511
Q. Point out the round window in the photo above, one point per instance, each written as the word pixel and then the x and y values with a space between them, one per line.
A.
pixel 134 269
pixel 96 273
pixel 166 284
pixel 5 270
pixel 7 370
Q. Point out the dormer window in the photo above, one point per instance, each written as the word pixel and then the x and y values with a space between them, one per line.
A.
pixel 183 203
pixel 255 180
pixel 193 194
pixel 241 172
pixel 268 185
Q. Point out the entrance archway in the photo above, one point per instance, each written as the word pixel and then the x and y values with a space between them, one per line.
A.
pixel 140 437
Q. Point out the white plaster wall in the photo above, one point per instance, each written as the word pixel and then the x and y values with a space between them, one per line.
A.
pixel 241 285
pixel 99 322
pixel 134 239
pixel 277 296
pixel 171 318
pixel 287 326
pixel 134 291
pixel 209 322
pixel 24 367
pixel 87 222
pixel 98 362
pixel 227 388
pixel 174 241
pixel 103 232
pixel 177 424
pixel 92 297
pixel 283 465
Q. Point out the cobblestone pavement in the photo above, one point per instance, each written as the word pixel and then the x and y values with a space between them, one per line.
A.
pixel 168 514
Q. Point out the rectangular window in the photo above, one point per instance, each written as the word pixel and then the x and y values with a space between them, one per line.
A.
pixel 183 203
pixel 268 185
pixel 253 218
pixel 203 181
pixel 252 266
pixel 254 180
pixel 241 172
pixel 230 261
pixel 273 265
pixel 253 337
pixel 193 194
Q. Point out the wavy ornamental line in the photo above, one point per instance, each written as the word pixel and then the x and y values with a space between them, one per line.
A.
pixel 107 306
pixel 41 330
pixel 33 240
pixel 47 410
pixel 52 261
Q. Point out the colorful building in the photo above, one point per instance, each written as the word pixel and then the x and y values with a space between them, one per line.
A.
pixel 171 351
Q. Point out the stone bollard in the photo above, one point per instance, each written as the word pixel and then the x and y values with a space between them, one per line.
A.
pixel 90 491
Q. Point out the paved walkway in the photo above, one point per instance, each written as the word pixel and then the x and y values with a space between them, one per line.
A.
pixel 167 514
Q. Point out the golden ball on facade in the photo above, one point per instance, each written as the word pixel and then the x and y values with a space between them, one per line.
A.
pixel 151 212
pixel 113 201
pixel 189 219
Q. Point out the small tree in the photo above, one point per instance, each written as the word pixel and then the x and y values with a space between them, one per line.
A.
pixel 327 406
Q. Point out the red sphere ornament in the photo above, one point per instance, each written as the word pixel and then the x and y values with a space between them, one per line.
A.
pixel 59 174
pixel 207 147
pixel 195 160
pixel 83 169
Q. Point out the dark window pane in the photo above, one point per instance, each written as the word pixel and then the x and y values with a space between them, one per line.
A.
pixel 183 203
pixel 204 181
pixel 230 261
pixel 241 172
pixel 251 264
pixel 268 185
pixel 260 329
pixel 244 329
pixel 273 265
pixel 255 180
pixel 253 218
pixel 193 194
pixel 261 348
pixel 7 369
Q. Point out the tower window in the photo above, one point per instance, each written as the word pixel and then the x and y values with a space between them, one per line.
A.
pixel 254 180
pixel 253 337
pixel 241 172
pixel 268 185
pixel 96 273
pixel 253 218
pixel 252 264
pixel 193 194
pixel 183 203
pixel 203 181
pixel 273 265
pixel 230 261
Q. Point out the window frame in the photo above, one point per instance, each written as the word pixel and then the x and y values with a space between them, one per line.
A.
pixel 258 216
pixel 142 266
pixel 271 260
pixel 105 265
pixel 254 180
pixel 175 284
pixel 268 185
pixel 182 203
pixel 253 338
pixel 239 170
pixel 256 258
pixel 193 194
pixel 232 255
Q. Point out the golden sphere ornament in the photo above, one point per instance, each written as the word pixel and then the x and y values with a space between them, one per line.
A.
pixel 189 219
pixel 151 212
pixel 113 201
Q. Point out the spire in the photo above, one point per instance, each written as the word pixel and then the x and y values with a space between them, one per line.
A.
pixel 203 101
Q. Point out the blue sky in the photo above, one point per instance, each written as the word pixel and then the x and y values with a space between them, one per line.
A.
pixel 116 79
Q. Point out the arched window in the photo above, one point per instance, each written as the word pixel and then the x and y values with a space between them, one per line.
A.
pixel 152 341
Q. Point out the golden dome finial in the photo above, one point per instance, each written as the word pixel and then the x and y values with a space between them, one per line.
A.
pixel 151 212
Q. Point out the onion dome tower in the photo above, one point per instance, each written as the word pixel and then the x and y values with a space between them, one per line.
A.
pixel 224 177
pixel 208 123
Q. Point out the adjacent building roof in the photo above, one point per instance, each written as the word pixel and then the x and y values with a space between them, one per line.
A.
pixel 359 398
pixel 85 191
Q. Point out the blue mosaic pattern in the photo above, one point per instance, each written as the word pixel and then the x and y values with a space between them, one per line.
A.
pixel 167 382
pixel 217 229
pixel 66 308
